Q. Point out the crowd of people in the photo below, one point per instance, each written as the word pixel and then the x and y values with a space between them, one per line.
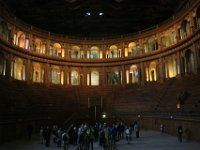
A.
pixel 83 136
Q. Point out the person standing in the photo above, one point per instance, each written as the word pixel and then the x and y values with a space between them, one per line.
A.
pixel 59 137
pixel 47 135
pixel 180 132
pixel 41 135
pixel 161 128
pixel 65 138
pixel 127 133
pixel 137 130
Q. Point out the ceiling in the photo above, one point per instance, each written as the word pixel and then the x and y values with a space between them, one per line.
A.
pixel 94 18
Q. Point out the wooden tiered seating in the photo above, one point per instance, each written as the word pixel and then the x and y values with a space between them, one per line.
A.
pixel 18 97
pixel 157 97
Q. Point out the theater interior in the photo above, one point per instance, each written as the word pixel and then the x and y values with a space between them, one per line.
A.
pixel 72 61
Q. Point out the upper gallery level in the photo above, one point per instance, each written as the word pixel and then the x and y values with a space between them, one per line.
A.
pixel 41 43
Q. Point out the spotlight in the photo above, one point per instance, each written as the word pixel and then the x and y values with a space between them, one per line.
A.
pixel 104 116
pixel 88 14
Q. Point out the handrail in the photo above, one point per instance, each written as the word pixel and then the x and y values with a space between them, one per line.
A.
pixel 193 116
pixel 69 119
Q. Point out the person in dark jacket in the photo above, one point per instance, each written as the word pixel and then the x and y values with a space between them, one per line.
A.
pixel 180 132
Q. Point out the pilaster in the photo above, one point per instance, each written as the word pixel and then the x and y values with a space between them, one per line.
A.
pixel 161 70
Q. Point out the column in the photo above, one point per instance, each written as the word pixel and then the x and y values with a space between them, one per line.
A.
pixel 142 74
pixel 157 71
pixel 198 55
pixel 147 66
pixel 67 51
pixel 48 47
pixel 159 41
pixel 9 61
pixel 46 73
pixel 166 69
pixel 139 74
pixel 43 73
pixel 178 36
pixel 85 51
pixel 141 47
pixel 123 50
pixel 28 71
pixel 81 78
pixel 30 41
pixel 123 76
pixel 65 70
pixel 84 76
pixel 11 40
pixel 104 77
pixel 69 75
pixel 128 80
pixel 161 70
pixel 194 49
pixel 89 78
pixel 180 63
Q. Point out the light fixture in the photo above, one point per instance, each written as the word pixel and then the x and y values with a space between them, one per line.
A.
pixel 104 115
pixel 88 14
pixel 100 14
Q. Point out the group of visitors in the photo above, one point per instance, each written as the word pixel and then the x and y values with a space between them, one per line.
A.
pixel 58 136
pixel 84 135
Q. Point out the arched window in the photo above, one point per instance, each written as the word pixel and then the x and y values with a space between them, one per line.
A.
pixel 170 69
pixel 38 73
pixel 114 78
pixel 94 53
pixel 19 69
pixel 168 40
pixel 21 40
pixel 146 47
pixel 113 52
pixel 185 29
pixel 152 44
pixel 74 78
pixel 55 75
pixel 151 72
pixel 173 37
pixel 56 50
pixel 133 49
pixel 133 75
pixel 94 78
pixel 40 47
pixel 4 32
pixel 75 52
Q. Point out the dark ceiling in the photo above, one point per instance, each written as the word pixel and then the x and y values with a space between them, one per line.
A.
pixel 106 18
